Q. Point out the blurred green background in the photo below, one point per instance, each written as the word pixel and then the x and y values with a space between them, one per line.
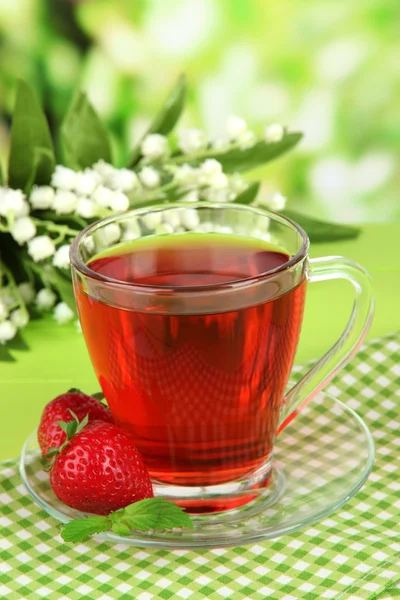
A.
pixel 329 68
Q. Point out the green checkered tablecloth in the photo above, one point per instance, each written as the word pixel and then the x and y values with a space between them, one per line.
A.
pixel 355 553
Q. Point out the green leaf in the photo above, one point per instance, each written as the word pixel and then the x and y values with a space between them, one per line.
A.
pixel 32 154
pixel 246 159
pixel 61 284
pixel 18 343
pixel 322 231
pixel 155 513
pixel 120 528
pixel 80 530
pixel 248 195
pixel 63 425
pixel 84 137
pixel 5 356
pixel 168 116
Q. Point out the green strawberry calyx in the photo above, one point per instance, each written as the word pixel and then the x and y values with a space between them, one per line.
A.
pixel 145 515
pixel 70 429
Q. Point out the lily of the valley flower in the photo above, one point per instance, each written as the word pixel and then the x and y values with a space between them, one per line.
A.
pixel 154 146
pixel 45 299
pixel 86 208
pixel 7 331
pixel 41 247
pixel 274 133
pixel 191 141
pixel 64 202
pixel 13 203
pixel 23 230
pixel 119 202
pixel 86 182
pixel 41 197
pixel 149 177
pixel 123 180
pixel 61 257
pixel 62 313
pixel 19 318
pixel 64 178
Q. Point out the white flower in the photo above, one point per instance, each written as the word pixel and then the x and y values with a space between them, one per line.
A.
pixel 217 195
pixel 237 184
pixel 213 175
pixel 104 169
pixel 27 292
pixel 63 178
pixel 163 229
pixel 190 218
pixel 109 234
pixel 236 127
pixel 119 202
pixel 205 227
pixel 277 202
pixel 123 180
pixel 247 139
pixel 102 196
pixel 191 140
pixel 223 229
pixel 149 177
pixel 41 247
pixel 211 167
pixel 12 202
pixel 152 219
pixel 63 313
pixel 172 217
pixel 154 146
pixel 19 318
pixel 41 197
pixel 23 230
pixel 86 181
pixel 274 133
pixel 7 297
pixel 89 244
pixel 45 299
pixel 186 175
pixel 7 331
pixel 61 257
pixel 64 202
pixel 132 230
pixel 3 311
pixel 192 196
pixel 86 208
pixel 220 144
pixel 218 181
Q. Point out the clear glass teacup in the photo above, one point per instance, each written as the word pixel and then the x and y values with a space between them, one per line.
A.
pixel 192 316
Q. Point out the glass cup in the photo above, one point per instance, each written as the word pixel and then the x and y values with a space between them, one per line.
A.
pixel 198 374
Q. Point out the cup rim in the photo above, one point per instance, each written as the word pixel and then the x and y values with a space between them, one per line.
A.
pixel 78 264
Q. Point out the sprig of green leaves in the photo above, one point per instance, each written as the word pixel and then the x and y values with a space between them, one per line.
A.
pixel 31 154
pixel 84 137
pixel 151 513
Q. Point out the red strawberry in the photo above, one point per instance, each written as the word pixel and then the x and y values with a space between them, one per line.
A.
pixel 50 434
pixel 100 470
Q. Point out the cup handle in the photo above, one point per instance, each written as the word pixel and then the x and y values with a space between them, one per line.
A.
pixel 323 269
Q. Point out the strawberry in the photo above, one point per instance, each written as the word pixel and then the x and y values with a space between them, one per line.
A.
pixel 50 434
pixel 99 470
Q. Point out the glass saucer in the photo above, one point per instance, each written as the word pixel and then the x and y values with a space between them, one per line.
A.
pixel 321 460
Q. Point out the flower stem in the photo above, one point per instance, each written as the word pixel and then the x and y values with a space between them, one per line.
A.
pixel 12 284
pixel 62 230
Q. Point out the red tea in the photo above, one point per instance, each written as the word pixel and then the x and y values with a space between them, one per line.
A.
pixel 200 393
